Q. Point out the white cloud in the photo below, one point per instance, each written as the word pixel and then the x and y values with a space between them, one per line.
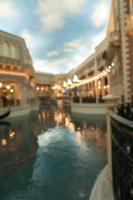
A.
pixel 75 61
pixel 71 45
pixel 8 9
pixel 62 65
pixel 41 65
pixel 68 50
pixel 52 53
pixel 54 13
pixel 60 61
pixel 50 66
pixel 52 22
pixel 32 41
pixel 100 13
pixel 74 43
pixel 97 40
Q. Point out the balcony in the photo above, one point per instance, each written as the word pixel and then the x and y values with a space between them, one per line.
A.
pixel 129 26
pixel 7 60
pixel 114 39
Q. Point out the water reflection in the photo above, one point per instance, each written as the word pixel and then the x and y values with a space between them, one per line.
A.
pixel 18 140
pixel 87 131
pixel 63 162
pixel 6 133
pixel 17 145
pixel 59 118
pixel 44 115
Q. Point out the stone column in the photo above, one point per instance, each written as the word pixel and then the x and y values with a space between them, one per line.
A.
pixel 125 49
pixel 24 95
pixel 111 102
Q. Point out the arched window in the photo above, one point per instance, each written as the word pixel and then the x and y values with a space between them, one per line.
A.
pixel 13 51
pixel 17 52
pixel 5 50
pixel 106 81
pixel 0 49
pixel 30 61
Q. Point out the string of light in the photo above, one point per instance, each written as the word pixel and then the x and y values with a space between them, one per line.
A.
pixel 71 84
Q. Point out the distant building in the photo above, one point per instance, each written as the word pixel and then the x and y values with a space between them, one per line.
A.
pixel 49 86
pixel 44 84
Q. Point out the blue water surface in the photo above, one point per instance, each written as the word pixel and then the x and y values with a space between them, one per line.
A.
pixel 46 161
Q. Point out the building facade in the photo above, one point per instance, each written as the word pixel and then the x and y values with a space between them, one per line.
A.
pixel 109 70
pixel 17 76
pixel 49 87
pixel 120 37
pixel 93 75
pixel 44 84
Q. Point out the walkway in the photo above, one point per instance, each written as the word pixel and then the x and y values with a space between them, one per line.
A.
pixel 102 189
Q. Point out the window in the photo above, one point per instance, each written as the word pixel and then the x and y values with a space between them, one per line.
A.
pixel 13 51
pixel 5 49
pixel 17 53
pixel 0 49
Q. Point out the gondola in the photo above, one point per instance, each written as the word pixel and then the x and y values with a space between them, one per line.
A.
pixel 5 114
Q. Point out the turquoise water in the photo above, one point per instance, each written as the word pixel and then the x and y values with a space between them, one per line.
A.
pixel 49 156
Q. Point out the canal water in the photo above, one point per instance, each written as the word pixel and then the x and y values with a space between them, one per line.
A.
pixel 50 156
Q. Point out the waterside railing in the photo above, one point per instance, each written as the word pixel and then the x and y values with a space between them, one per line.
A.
pixel 15 102
pixel 122 155
pixel 88 99
pixel 126 110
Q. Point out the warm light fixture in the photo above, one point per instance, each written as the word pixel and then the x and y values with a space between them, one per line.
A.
pixel 69 82
pixel 4 142
pixel 1 85
pixel 104 73
pixel 64 84
pixel 113 64
pixel 56 87
pixel 37 88
pixel 107 70
pixel 8 87
pixel 12 134
pixel 42 88
pixel 75 79
pixel 11 90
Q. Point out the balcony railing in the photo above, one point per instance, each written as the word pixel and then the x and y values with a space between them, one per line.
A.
pixel 9 103
pixel 122 157
pixel 15 102
pixel 76 99
pixel 86 100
